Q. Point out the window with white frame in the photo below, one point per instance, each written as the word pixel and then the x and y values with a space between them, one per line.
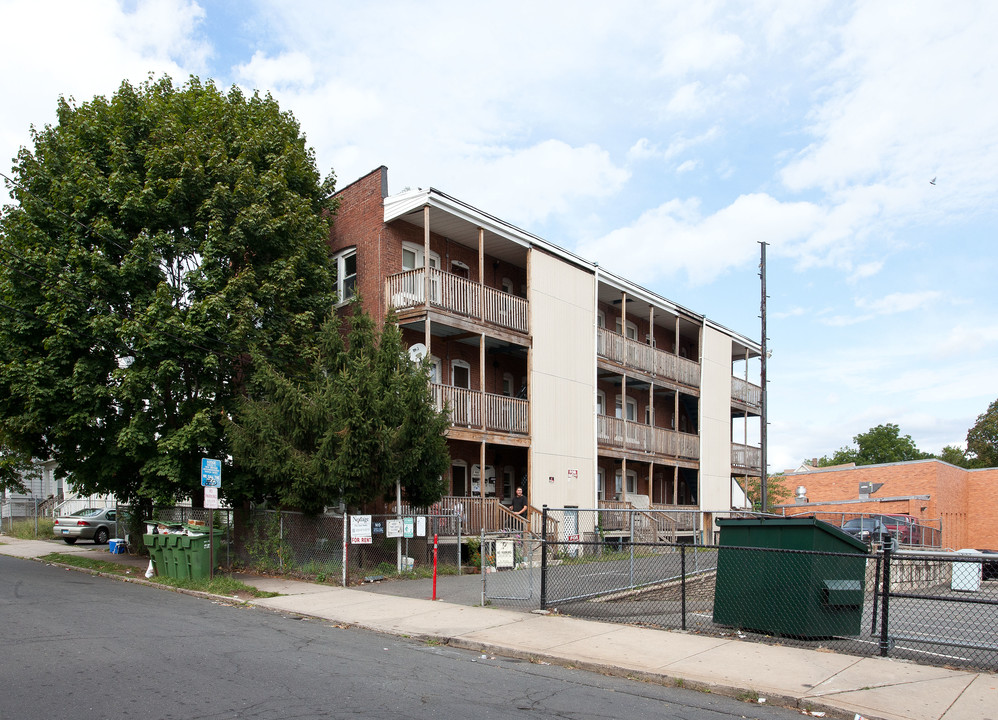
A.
pixel 460 374
pixel 632 409
pixel 346 275
pixel 632 330
pixel 600 479
pixel 507 384
pixel 600 402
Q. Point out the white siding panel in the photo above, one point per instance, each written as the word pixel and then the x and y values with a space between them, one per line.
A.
pixel 563 360
pixel 715 422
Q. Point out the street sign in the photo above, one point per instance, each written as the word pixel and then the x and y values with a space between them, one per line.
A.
pixel 211 473
pixel 210 497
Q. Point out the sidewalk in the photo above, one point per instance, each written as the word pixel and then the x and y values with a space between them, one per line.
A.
pixel 840 685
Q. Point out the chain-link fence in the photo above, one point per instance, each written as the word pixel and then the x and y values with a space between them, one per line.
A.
pixel 28 516
pixel 511 564
pixel 905 530
pixel 931 607
pixel 313 547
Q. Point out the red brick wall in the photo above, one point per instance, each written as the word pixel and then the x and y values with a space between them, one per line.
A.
pixel 358 223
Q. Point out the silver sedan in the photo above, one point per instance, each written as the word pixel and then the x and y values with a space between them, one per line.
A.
pixel 97 524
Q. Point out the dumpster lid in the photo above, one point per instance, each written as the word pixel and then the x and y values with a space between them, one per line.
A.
pixel 781 521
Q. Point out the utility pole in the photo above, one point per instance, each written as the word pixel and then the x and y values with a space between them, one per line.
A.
pixel 764 473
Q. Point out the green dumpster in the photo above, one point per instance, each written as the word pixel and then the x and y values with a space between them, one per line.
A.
pixel 157 546
pixel 177 556
pixel 805 595
pixel 199 554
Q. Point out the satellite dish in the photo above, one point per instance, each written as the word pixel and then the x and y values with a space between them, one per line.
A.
pixel 417 352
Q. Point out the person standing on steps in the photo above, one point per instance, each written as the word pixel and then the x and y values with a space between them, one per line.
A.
pixel 520 507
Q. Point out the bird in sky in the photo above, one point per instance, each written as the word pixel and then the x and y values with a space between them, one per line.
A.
pixel 932 181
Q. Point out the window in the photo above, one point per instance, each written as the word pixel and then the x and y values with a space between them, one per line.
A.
pixel 460 269
pixel 435 370
pixel 600 402
pixel 507 384
pixel 346 275
pixel 601 319
pixel 632 330
pixel 600 479
pixel 507 285
pixel 632 409
pixel 632 483
pixel 412 259
pixel 508 481
pixel 461 374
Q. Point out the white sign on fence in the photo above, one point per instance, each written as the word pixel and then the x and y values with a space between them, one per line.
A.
pixel 504 554
pixel 393 528
pixel 360 529
pixel 421 526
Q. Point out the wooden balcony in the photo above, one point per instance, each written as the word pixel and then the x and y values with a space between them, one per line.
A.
pixel 626 435
pixel 746 393
pixel 645 358
pixel 474 409
pixel 655 523
pixel 746 458
pixel 457 295
pixel 484 513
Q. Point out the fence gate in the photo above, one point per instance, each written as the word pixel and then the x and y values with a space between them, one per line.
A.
pixel 511 568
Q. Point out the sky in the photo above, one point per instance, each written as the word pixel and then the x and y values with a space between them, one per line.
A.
pixel 664 140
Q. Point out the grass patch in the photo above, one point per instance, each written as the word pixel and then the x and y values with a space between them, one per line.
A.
pixel 25 529
pixel 218 585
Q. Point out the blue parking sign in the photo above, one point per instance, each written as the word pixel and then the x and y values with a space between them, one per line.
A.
pixel 211 472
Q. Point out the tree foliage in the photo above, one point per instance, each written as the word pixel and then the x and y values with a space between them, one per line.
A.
pixel 778 492
pixel 359 418
pixel 982 438
pixel 159 237
pixel 880 444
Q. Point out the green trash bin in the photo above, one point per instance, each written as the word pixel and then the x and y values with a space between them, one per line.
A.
pixel 785 593
pixel 199 553
pixel 177 556
pixel 156 545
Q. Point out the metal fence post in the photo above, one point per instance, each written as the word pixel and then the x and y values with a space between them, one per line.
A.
pixel 876 596
pixel 682 571
pixel 885 603
pixel 630 576
pixel 544 557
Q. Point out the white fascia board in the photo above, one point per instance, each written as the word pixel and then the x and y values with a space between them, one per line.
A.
pixel 750 344
pixel 640 293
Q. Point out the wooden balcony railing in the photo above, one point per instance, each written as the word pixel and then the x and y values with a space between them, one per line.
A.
pixel 627 435
pixel 746 392
pixel 664 521
pixel 501 413
pixel 633 354
pixel 489 514
pixel 457 295
pixel 746 456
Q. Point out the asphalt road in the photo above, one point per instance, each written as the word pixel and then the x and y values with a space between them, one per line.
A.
pixel 75 645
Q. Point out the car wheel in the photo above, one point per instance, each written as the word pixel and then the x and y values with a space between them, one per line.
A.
pixel 69 541
pixel 100 537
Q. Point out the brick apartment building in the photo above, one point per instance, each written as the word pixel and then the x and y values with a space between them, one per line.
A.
pixel 571 382
pixel 960 503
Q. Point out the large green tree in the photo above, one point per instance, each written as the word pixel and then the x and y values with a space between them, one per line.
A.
pixel 982 438
pixel 880 444
pixel 160 236
pixel 357 420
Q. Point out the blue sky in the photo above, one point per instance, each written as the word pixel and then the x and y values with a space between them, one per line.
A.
pixel 662 139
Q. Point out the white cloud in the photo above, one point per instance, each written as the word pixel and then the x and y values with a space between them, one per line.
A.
pixel 687 166
pixel 900 302
pixel 288 69
pixel 675 237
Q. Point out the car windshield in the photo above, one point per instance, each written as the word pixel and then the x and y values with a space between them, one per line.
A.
pixel 86 512
pixel 861 523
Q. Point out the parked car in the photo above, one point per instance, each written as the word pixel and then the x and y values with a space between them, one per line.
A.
pixel 869 530
pixel 97 524
pixel 903 527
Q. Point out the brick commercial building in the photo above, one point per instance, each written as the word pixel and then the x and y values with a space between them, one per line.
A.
pixel 960 503
pixel 573 383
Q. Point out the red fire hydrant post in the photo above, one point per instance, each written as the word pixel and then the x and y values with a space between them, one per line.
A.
pixel 434 567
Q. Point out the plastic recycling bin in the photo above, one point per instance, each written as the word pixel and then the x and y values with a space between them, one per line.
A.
pixel 199 554
pixel 157 547
pixel 967 575
pixel 788 593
